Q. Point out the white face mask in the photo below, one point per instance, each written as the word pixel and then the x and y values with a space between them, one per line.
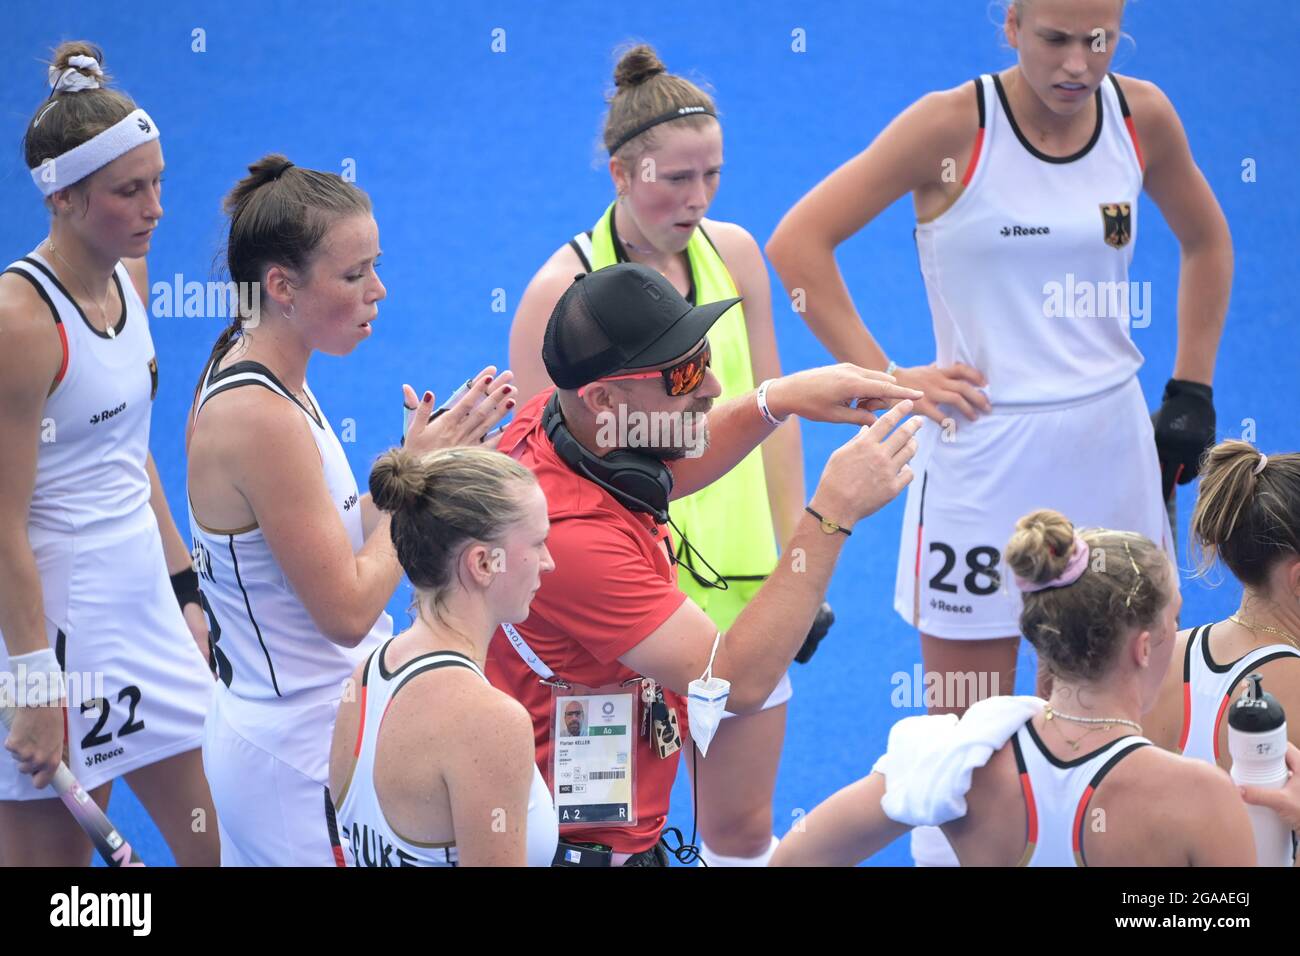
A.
pixel 705 703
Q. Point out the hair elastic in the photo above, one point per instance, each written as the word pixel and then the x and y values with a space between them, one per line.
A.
pixel 1263 460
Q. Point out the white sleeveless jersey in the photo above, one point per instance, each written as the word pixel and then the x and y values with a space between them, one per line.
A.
pixel 1208 687
pixel 1026 272
pixel 138 687
pixel 1057 793
pixel 366 830
pixel 91 475
pixel 265 647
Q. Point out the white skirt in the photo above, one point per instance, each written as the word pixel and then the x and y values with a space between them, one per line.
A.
pixel 138 688
pixel 1093 460
pixel 269 811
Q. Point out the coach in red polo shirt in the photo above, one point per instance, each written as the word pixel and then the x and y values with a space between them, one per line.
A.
pixel 609 633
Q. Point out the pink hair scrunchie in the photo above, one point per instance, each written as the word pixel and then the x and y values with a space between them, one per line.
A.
pixel 1073 570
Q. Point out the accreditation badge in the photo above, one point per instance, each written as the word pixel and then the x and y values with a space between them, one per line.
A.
pixel 593 758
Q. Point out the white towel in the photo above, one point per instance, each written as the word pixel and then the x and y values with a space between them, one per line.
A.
pixel 929 761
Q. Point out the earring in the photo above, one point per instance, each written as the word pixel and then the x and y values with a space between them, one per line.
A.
pixel 293 308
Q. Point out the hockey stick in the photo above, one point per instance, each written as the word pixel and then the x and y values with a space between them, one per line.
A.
pixel 108 843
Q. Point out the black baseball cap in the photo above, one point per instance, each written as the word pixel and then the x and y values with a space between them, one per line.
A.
pixel 621 317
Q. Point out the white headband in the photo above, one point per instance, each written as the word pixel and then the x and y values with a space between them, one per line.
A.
pixel 76 164
pixel 71 80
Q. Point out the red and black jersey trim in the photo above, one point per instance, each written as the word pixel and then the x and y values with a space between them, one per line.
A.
pixel 332 824
pixel 121 322
pixel 1236 680
pixel 61 655
pixel 1128 121
pixel 1031 807
pixel 1192 638
pixel 1093 784
pixel 979 137
pixel 58 322
pixel 1201 635
pixel 920 531
pixel 365 684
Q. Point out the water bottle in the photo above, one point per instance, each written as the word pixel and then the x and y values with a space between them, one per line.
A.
pixel 1257 741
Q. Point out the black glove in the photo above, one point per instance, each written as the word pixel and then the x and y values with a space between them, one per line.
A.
pixel 1184 425
pixel 820 625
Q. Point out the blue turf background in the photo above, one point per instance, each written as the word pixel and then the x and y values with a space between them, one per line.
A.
pixel 479 164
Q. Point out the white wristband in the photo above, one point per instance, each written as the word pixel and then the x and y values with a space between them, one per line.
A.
pixel 762 404
pixel 891 368
pixel 39 680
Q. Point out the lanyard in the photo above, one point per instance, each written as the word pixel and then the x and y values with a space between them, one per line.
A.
pixel 531 659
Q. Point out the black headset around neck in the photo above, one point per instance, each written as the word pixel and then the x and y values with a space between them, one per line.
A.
pixel 638 481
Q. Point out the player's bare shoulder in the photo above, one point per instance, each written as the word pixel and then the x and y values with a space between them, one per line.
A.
pixel 737 247
pixel 950 122
pixel 346 725
pixel 1186 789
pixel 563 265
pixel 1159 130
pixel 728 236
pixel 1141 95
pixel 937 136
pixel 1163 722
pixel 248 420
pixel 1151 810
pixel 546 286
pixel 29 338
pixel 450 701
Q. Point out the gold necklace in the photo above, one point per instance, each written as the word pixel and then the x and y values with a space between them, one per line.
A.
pixel 103 306
pixel 1285 635
pixel 1102 723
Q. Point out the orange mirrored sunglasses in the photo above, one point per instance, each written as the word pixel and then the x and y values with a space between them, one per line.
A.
pixel 680 379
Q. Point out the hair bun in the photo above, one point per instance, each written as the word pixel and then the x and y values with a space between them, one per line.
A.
pixel 637 65
pixel 1040 548
pixel 397 481
pixel 267 169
